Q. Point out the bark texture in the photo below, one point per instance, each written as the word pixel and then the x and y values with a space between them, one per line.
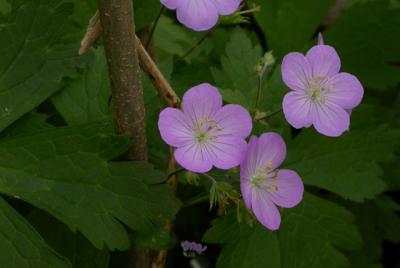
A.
pixel 117 21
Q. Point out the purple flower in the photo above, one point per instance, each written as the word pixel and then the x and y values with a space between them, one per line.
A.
pixel 321 95
pixel 263 186
pixel 204 132
pixel 201 15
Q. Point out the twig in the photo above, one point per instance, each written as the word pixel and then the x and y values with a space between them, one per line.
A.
pixel 148 65
pixel 92 34
pixel 157 78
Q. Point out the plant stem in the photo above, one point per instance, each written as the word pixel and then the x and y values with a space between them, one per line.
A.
pixel 259 88
pixel 198 43
pixel 209 177
pixel 117 21
pixel 196 200
pixel 154 26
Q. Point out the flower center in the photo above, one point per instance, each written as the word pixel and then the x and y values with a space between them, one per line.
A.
pixel 264 178
pixel 318 86
pixel 206 129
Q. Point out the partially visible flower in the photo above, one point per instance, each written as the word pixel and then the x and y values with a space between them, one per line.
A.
pixel 201 15
pixel 263 186
pixel 205 133
pixel 321 95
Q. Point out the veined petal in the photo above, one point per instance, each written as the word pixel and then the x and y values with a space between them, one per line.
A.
pixel 296 71
pixel 347 91
pixel 198 15
pixel 271 151
pixel 201 102
pixel 193 158
pixel 226 7
pixel 324 61
pixel 174 127
pixel 265 210
pixel 234 120
pixel 172 4
pixel 246 190
pixel 330 119
pixel 298 109
pixel 288 190
pixel 226 152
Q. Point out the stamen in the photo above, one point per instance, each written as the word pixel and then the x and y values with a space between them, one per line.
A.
pixel 272 187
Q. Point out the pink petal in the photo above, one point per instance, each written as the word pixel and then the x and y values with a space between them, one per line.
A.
pixel 248 169
pixel 245 188
pixel 324 61
pixel 289 191
pixel 198 15
pixel 331 119
pixel 271 149
pixel 347 91
pixel 226 7
pixel 172 4
pixel 234 120
pixel 193 158
pixel 226 152
pixel 201 101
pixel 174 128
pixel 296 71
pixel 297 109
pixel 265 210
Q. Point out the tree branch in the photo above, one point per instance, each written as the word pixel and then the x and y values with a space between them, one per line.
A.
pixel 148 65
pixel 118 26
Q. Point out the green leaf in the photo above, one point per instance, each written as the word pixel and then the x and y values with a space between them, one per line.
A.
pixel 347 165
pixel 172 39
pixel 87 98
pixel 367 37
pixel 36 55
pixel 378 220
pixel 308 237
pixel 289 25
pixel 74 246
pixel 21 246
pixel 65 173
pixel 244 246
pixel 237 79
pixel 146 12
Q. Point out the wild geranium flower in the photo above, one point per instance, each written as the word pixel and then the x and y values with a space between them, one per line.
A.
pixel 321 95
pixel 201 15
pixel 263 186
pixel 205 133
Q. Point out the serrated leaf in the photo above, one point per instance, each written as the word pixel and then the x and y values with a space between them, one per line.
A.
pixel 172 39
pixel 289 25
pixel 36 55
pixel 21 246
pixel 237 79
pixel 86 99
pixel 65 173
pixel 309 236
pixel 347 165
pixel 367 37
pixel 74 246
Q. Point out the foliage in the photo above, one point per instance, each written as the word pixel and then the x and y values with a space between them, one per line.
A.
pixel 70 200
